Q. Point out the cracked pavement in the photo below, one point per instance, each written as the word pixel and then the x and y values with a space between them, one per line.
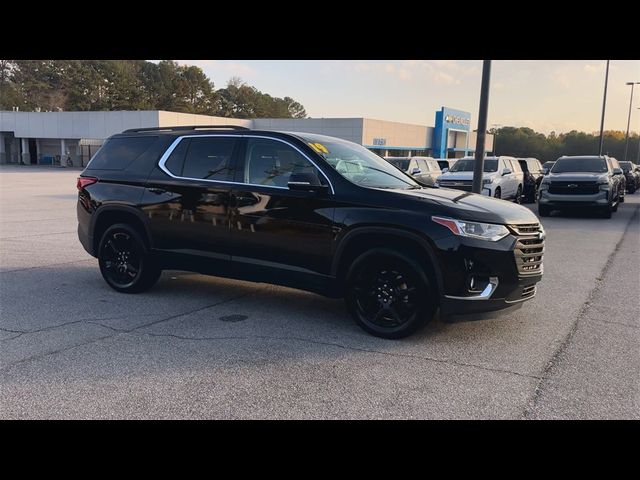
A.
pixel 70 347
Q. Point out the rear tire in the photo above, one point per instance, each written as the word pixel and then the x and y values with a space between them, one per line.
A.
pixel 388 295
pixel 124 260
pixel 544 211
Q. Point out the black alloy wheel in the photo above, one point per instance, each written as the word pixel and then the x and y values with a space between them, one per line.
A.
pixel 497 193
pixel 124 262
pixel 388 297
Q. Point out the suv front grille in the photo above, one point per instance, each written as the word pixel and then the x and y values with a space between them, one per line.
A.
pixel 573 188
pixel 529 248
pixel 465 185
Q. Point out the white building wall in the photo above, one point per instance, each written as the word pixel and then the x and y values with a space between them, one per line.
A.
pixel 69 125
pixel 397 134
pixel 169 119
pixel 345 128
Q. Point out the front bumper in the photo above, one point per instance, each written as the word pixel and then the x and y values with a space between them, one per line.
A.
pixel 557 200
pixel 511 295
pixel 504 273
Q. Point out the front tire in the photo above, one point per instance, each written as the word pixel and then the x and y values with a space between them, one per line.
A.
pixel 124 260
pixel 497 193
pixel 388 295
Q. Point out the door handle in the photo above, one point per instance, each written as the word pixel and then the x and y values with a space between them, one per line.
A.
pixel 157 191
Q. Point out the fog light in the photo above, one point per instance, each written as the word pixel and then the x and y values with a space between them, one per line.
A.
pixel 472 282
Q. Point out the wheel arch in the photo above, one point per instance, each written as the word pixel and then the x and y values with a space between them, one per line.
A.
pixel 108 215
pixel 362 239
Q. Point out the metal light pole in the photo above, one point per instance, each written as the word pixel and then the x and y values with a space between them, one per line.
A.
pixel 604 104
pixel 638 158
pixel 626 140
pixel 482 127
pixel 495 127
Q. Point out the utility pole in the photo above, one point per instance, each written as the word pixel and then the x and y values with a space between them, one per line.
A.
pixel 626 140
pixel 482 127
pixel 604 104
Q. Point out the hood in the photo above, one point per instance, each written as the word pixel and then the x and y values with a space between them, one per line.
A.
pixel 575 177
pixel 471 206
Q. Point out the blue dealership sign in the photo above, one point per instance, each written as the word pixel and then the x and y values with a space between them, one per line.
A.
pixel 448 119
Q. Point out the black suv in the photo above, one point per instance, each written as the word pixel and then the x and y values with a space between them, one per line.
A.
pixel 532 178
pixel 306 211
pixel 590 182
pixel 631 175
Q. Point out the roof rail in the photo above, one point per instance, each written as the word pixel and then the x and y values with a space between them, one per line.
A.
pixel 186 127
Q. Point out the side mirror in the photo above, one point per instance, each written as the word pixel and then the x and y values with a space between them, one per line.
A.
pixel 445 170
pixel 617 171
pixel 415 171
pixel 545 170
pixel 306 182
pixel 506 171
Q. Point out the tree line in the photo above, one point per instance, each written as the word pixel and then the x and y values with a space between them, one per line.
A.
pixel 89 85
pixel 525 142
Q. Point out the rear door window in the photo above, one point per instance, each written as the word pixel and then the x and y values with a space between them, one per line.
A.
pixel 209 158
pixel 118 153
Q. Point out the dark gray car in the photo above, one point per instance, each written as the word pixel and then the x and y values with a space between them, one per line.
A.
pixel 588 182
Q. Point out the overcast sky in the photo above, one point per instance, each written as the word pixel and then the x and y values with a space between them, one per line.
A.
pixel 544 95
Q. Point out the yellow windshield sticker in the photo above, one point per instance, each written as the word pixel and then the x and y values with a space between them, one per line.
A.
pixel 318 147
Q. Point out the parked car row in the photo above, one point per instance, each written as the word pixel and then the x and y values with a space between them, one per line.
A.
pixel 569 182
pixel 586 182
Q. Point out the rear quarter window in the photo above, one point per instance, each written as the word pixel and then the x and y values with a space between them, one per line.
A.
pixel 119 153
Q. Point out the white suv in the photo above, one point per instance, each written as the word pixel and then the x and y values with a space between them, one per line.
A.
pixel 502 177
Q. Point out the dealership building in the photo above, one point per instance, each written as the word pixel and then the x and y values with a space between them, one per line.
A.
pixel 50 138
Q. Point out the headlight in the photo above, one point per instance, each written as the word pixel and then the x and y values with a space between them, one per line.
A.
pixel 483 231
pixel 487 181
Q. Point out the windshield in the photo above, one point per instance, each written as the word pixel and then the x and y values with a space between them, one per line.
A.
pixel 359 165
pixel 466 165
pixel 580 164
pixel 401 163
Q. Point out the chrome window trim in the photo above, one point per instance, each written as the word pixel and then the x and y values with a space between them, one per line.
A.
pixel 172 147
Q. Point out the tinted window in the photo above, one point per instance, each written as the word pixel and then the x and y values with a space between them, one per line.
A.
pixel 209 158
pixel 175 161
pixel 532 166
pixel 270 163
pixel 402 163
pixel 118 153
pixel 626 166
pixel 466 165
pixel 579 164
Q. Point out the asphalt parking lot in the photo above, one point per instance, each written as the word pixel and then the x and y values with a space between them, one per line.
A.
pixel 202 347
